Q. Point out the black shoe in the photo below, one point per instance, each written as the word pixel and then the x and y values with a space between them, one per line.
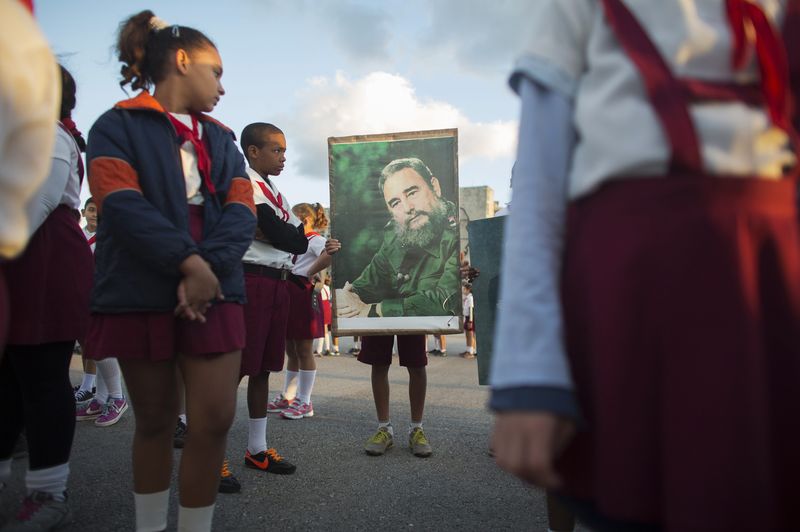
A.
pixel 269 461
pixel 228 482
pixel 179 438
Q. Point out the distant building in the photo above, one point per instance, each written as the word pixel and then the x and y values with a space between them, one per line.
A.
pixel 475 203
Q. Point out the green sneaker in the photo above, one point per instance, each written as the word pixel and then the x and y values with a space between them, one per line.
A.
pixel 379 443
pixel 419 443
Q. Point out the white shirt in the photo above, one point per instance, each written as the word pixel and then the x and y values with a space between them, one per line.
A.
pixel 468 304
pixel 88 235
pixel 29 101
pixel 189 162
pixel 316 245
pixel 261 252
pixel 572 49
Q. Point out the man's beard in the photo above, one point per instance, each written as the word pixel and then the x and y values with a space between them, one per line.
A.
pixel 422 236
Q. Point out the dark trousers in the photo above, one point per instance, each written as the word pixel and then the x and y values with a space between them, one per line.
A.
pixel 36 394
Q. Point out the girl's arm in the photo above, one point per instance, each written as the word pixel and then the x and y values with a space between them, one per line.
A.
pixel 49 195
pixel 332 246
pixel 530 371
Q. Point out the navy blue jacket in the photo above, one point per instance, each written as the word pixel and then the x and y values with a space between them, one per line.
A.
pixel 136 178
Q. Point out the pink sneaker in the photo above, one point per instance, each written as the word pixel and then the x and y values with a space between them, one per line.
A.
pixel 279 404
pixel 112 412
pixel 298 410
pixel 88 410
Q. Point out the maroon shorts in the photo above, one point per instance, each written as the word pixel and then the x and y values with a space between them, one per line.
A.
pixel 158 336
pixel 305 318
pixel 681 302
pixel 49 284
pixel 469 325
pixel 377 350
pixel 266 315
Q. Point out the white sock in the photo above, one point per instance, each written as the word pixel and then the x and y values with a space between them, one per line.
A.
pixel 471 350
pixel 182 417
pixel 151 511
pixel 358 344
pixel 52 480
pixel 290 385
pixel 386 425
pixel 327 340
pixel 88 382
pixel 257 435
pixel 108 372
pixel 437 345
pixel 5 470
pixel 102 390
pixel 306 385
pixel 412 426
pixel 317 345
pixel 195 519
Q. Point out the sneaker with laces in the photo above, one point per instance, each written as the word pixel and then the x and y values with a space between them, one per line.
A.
pixel 298 410
pixel 88 410
pixel 269 461
pixel 112 411
pixel 82 396
pixel 278 404
pixel 228 482
pixel 40 511
pixel 179 438
pixel 418 443
pixel 379 443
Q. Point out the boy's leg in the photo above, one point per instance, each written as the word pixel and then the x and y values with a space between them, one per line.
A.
pixel 377 352
pixel 412 355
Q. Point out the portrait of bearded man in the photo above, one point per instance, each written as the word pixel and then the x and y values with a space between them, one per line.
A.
pixel 415 271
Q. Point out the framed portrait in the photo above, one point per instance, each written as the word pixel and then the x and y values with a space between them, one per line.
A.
pixel 394 207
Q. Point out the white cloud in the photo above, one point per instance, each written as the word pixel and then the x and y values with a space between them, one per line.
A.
pixel 381 103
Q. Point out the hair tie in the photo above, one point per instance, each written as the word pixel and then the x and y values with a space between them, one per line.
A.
pixel 157 23
pixel 176 31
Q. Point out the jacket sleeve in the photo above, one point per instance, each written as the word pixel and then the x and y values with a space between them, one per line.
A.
pixel 227 242
pixel 128 216
pixel 283 235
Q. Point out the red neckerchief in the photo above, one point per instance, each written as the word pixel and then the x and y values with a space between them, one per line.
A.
pixel 771 53
pixel 278 202
pixel 203 158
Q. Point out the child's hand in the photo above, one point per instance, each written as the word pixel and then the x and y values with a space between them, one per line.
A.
pixel 527 444
pixel 332 246
pixel 196 290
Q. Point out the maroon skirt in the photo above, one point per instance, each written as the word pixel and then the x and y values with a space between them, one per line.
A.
pixel 158 336
pixel 305 315
pixel 50 283
pixel 327 315
pixel 682 317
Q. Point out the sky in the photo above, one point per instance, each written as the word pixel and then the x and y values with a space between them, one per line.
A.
pixel 323 68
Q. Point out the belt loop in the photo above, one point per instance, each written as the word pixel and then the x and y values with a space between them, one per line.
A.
pixel 284 275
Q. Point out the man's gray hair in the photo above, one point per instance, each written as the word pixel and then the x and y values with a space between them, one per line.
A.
pixel 407 162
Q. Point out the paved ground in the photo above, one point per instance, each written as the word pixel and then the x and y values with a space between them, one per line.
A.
pixel 336 486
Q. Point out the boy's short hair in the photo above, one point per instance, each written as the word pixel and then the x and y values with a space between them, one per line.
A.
pixel 253 134
pixel 88 201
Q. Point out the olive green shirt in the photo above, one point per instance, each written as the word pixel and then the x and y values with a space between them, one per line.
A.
pixel 414 281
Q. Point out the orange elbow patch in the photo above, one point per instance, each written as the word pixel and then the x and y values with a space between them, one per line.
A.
pixel 107 175
pixel 241 191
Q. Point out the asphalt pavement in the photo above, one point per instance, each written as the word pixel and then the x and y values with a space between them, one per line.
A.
pixel 336 485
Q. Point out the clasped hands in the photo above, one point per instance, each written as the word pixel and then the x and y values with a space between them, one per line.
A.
pixel 349 304
pixel 198 287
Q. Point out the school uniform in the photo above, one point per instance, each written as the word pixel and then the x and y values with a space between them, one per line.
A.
pixel 680 271
pixel 305 310
pixel 267 265
pixel 91 238
pixel 164 197
pixel 325 297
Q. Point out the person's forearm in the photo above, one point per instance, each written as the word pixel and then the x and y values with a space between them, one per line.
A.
pixel 322 262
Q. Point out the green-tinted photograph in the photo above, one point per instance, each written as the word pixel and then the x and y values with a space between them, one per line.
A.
pixel 394 207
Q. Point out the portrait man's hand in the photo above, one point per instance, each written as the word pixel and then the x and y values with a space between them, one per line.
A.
pixel 349 304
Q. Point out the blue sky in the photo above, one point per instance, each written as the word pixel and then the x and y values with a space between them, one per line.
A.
pixel 320 68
